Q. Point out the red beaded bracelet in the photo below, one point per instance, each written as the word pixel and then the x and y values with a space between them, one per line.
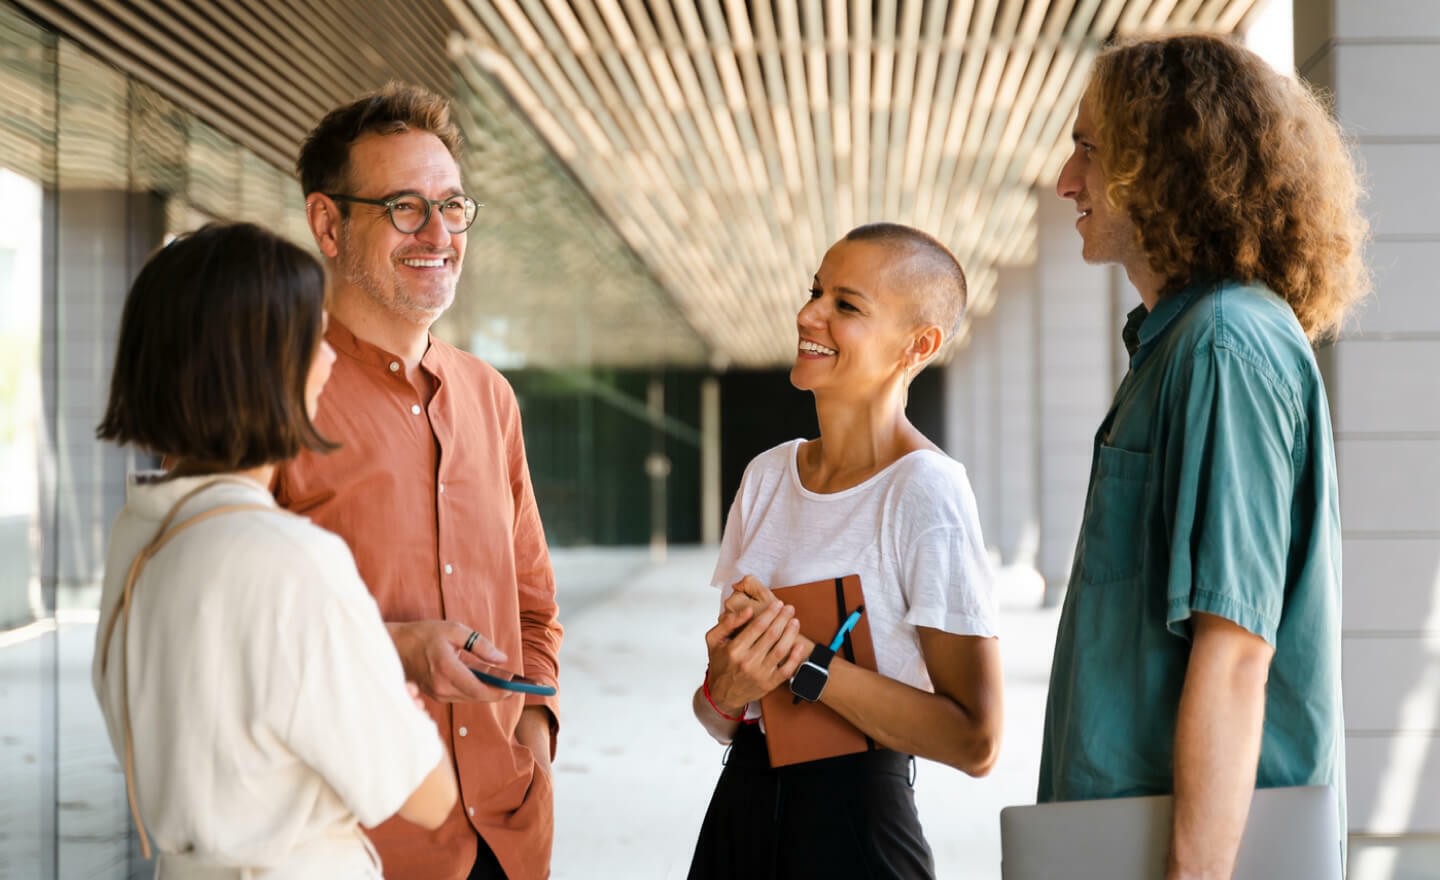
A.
pixel 705 686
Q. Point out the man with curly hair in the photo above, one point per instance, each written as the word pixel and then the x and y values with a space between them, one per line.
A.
pixel 1199 647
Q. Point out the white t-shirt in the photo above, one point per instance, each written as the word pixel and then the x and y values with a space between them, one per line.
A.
pixel 911 532
pixel 267 702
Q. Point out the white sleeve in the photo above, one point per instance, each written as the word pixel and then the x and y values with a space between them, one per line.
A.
pixel 353 721
pixel 948 582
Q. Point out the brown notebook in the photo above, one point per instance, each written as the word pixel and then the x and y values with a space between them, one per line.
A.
pixel 801 731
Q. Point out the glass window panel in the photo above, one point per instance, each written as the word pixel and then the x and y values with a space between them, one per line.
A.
pixel 102 169
pixel 101 229
pixel 158 134
pixel 27 116
pixel 27 625
pixel 93 122
pixel 214 171
pixel 272 198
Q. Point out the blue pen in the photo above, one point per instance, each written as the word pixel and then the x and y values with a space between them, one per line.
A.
pixel 841 633
pixel 845 628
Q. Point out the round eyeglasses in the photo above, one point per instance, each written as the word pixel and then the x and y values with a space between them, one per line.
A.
pixel 409 211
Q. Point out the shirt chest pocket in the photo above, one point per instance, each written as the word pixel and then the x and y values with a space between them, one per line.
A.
pixel 1112 539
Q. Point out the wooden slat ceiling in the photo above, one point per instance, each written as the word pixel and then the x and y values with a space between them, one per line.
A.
pixel 689 160
pixel 549 282
pixel 260 71
pixel 730 141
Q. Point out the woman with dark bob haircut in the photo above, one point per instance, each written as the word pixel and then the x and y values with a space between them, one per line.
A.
pixel 246 679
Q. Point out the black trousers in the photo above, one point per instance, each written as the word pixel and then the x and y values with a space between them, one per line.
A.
pixel 846 818
pixel 487 867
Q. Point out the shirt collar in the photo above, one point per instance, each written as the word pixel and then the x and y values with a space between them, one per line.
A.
pixel 1144 327
pixel 346 342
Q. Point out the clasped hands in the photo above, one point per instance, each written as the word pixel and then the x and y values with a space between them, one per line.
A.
pixel 754 647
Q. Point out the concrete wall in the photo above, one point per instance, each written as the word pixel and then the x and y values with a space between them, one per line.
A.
pixel 1079 329
pixel 1381 59
pixel 1028 390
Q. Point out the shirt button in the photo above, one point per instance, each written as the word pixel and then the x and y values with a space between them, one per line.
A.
pixel 470 810
pixel 415 408
pixel 442 488
pixel 449 569
pixel 394 366
pixel 462 731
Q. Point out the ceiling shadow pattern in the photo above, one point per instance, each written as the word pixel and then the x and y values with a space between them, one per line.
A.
pixel 730 142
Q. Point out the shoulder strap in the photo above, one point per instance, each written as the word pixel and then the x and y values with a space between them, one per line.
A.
pixel 122 611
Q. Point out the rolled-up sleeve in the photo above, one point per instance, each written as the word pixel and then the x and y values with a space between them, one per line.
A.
pixel 540 629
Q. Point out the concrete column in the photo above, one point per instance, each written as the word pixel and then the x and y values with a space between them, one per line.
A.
pixel 711 502
pixel 959 400
pixel 982 464
pixel 1381 60
pixel 1076 332
pixel 98 258
pixel 1017 534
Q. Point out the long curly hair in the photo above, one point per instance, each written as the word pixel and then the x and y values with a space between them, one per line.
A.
pixel 1230 170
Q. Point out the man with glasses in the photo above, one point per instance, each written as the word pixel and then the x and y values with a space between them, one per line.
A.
pixel 430 487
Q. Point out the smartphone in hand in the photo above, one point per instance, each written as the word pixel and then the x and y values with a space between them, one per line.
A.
pixel 504 679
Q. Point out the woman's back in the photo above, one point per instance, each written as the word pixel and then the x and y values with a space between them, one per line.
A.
pixel 262 687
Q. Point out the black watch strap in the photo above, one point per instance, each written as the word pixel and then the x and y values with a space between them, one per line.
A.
pixel 821 655
pixel 812 676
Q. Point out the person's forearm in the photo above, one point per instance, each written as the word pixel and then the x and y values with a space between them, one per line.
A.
pixel 533 730
pixel 1217 750
pixel 401 635
pixel 722 730
pixel 906 719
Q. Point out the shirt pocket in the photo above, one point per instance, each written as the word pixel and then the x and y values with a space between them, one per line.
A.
pixel 1112 538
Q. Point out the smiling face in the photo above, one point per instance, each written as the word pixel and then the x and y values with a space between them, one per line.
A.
pixel 856 332
pixel 413 276
pixel 1107 232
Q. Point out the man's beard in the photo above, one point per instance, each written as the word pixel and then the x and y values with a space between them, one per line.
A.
pixel 386 293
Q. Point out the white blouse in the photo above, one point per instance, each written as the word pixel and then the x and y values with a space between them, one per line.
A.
pixel 911 532
pixel 268 705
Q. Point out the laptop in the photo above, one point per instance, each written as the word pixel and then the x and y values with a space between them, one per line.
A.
pixel 1291 834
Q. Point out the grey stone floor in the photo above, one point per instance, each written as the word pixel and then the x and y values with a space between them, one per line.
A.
pixel 634 770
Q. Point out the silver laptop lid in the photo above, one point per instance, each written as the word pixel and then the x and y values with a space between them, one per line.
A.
pixel 1291 834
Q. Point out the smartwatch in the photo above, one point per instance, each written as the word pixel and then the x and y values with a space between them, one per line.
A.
pixel 810 679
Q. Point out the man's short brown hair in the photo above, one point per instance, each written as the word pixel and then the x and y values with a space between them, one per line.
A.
pixel 216 341
pixel 324 162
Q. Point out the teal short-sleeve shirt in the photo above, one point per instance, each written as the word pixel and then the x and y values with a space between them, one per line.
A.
pixel 1212 490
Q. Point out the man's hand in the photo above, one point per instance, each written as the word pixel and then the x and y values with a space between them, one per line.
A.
pixel 533 732
pixel 434 656
pixel 1217 746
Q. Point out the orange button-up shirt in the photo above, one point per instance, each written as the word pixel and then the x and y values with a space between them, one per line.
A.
pixel 436 504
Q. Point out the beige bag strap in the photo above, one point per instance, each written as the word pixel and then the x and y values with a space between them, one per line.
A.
pixel 122 609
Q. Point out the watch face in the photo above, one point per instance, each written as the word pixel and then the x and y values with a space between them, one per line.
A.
pixel 809 681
